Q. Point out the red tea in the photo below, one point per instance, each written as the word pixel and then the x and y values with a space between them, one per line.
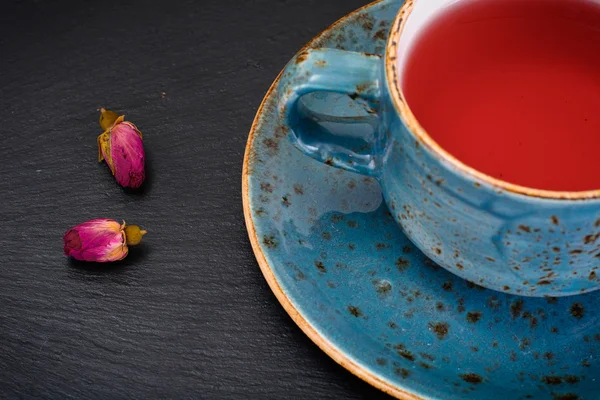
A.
pixel 512 89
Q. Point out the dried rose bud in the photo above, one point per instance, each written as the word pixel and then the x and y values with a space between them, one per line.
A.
pixel 101 240
pixel 121 147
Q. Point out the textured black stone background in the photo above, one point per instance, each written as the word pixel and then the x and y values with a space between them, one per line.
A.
pixel 187 314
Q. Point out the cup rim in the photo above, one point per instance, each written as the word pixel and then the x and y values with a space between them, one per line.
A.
pixel 424 139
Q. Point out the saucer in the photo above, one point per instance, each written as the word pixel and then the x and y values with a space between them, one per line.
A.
pixel 355 284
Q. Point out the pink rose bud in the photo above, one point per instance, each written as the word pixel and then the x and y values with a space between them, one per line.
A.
pixel 121 147
pixel 101 240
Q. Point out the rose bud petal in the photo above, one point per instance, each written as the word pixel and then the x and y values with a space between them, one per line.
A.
pixel 121 147
pixel 101 240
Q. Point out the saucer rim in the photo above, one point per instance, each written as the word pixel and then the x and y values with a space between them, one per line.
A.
pixel 325 345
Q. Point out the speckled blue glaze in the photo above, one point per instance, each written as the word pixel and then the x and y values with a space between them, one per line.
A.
pixel 338 256
pixel 499 239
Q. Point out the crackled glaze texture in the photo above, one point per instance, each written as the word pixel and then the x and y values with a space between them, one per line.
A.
pixel 500 239
pixel 350 277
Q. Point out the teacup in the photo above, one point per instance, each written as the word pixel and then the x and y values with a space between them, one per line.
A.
pixel 493 233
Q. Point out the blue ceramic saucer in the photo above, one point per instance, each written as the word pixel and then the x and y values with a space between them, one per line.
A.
pixel 348 276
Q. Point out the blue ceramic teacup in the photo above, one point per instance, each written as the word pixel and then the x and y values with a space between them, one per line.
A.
pixel 493 233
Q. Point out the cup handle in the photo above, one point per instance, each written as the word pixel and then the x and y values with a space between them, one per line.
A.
pixel 330 70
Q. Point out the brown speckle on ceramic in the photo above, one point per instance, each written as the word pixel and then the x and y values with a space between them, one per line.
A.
pixel 471 378
pixel 403 372
pixel 402 263
pixel 516 308
pixel 301 57
pixel 565 396
pixel 525 228
pixel 406 355
pixel 381 34
pixel 298 189
pixel 320 266
pixel 383 287
pixel 440 329
pixel 270 241
pixel 473 316
pixel 577 310
pixel 355 311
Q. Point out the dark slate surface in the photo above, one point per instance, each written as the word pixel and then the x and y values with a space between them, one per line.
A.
pixel 188 313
